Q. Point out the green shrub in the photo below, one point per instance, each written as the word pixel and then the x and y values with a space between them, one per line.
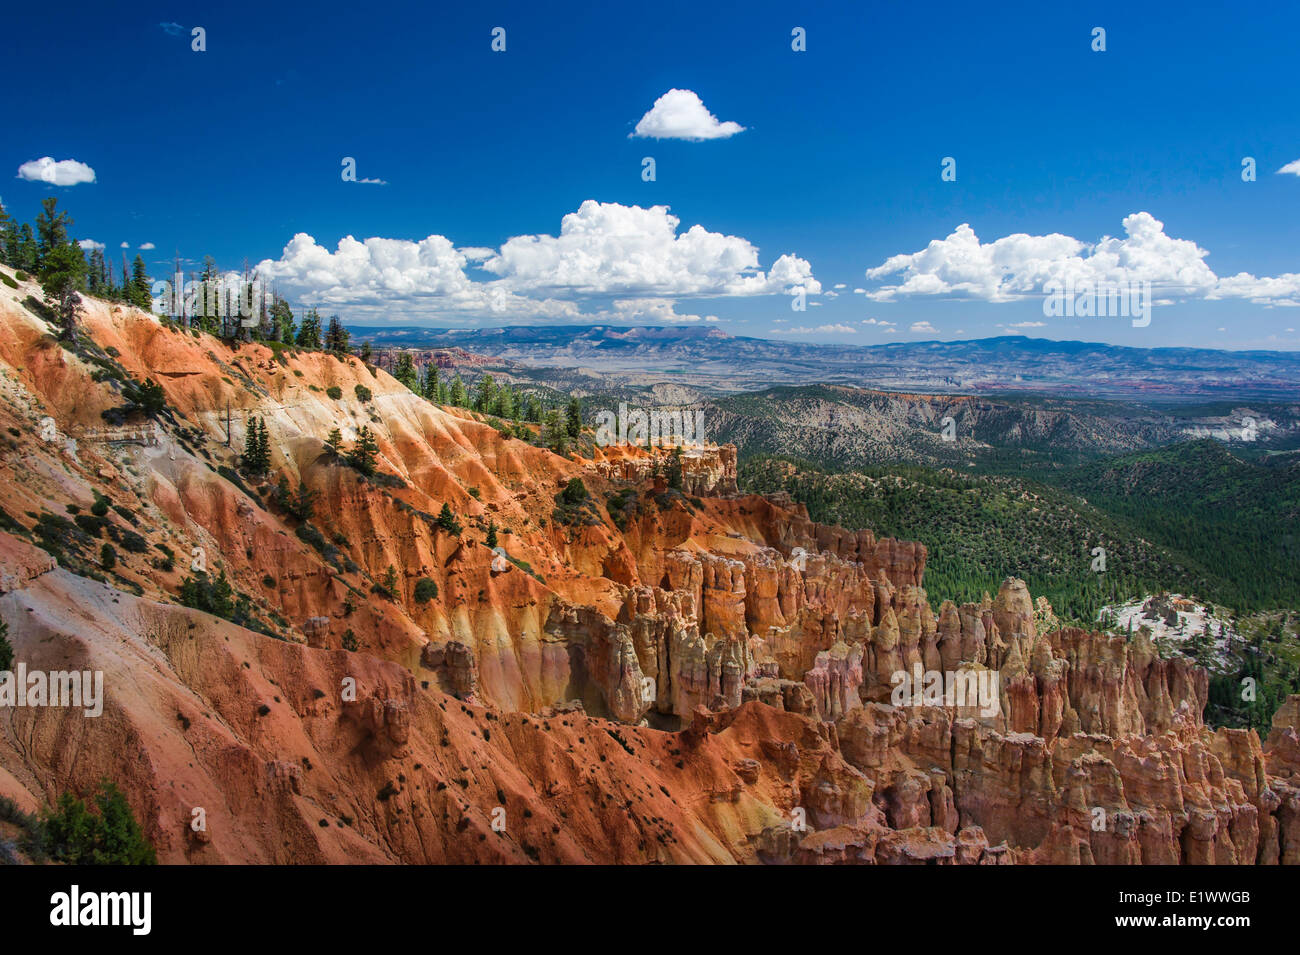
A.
pixel 363 393
pixel 334 391
pixel 76 835
pixel 425 590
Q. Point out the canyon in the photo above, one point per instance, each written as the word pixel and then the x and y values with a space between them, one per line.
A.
pixel 657 675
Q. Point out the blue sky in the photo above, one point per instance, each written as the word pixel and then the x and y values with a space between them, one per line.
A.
pixel 235 150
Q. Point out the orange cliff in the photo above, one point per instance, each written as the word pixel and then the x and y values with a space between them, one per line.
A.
pixel 651 676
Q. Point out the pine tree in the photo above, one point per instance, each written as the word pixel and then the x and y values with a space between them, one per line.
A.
pixel 367 354
pixel 29 257
pixel 533 410
pixel 13 245
pixel 404 371
pixel 429 386
pixel 573 417
pixel 447 521
pixel 139 292
pixel 63 277
pixel 491 539
pixel 257 447
pixel 459 397
pixel 486 399
pixel 364 451
pixel 334 441
pixel 309 331
pixel 337 337
pixel 6 649
pixel 282 321
pixel 52 229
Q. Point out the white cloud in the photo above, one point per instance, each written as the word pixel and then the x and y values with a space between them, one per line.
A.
pixel 922 328
pixel 840 285
pixel 172 29
pixel 653 310
pixel 611 248
pixel 877 321
pixel 125 245
pixel 1018 266
pixel 64 172
pixel 88 244
pixel 1026 325
pixel 680 114
pixel 819 330
pixel 373 182
pixel 147 247
pixel 603 249
pixel 1292 167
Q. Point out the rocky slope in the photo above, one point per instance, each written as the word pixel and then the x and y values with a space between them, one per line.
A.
pixel 650 675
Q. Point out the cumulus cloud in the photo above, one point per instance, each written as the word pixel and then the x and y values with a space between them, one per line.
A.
pixel 923 328
pixel 1292 167
pixel 632 255
pixel 1018 266
pixel 611 248
pixel 818 330
pixel 681 114
pixel 89 244
pixel 653 310
pixel 171 29
pixel 877 321
pixel 125 245
pixel 1026 325
pixel 147 247
pixel 63 172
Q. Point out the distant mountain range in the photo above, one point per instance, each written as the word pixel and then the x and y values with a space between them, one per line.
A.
pixel 718 362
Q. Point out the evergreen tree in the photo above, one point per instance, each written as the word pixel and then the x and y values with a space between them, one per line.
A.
pixel 533 410
pixel 95 277
pixel 309 331
pixel 367 354
pixel 52 229
pixel 404 371
pixel 364 451
pixel 430 385
pixel 257 447
pixel 555 434
pixel 334 442
pixel 447 521
pixel 491 539
pixel 111 836
pixel 283 328
pixel 139 292
pixel 28 252
pixel 13 245
pixel 6 648
pixel 675 470
pixel 506 406
pixel 337 337
pixel 459 396
pixel 573 417
pixel 486 399
pixel 63 277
